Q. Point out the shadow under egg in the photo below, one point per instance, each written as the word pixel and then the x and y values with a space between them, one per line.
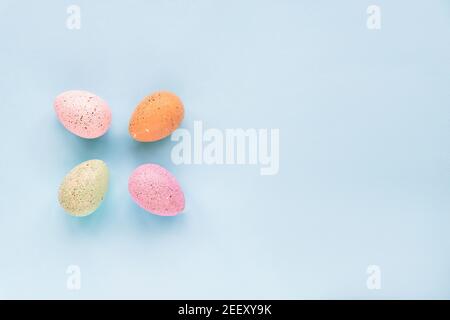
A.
pixel 149 152
pixel 84 149
pixel 147 222
pixel 90 224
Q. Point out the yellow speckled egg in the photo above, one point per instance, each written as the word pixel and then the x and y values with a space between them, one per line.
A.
pixel 156 117
pixel 84 187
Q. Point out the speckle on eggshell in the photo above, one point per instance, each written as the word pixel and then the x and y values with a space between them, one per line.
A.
pixel 156 190
pixel 83 113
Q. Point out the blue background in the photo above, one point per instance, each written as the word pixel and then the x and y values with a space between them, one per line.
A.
pixel 364 160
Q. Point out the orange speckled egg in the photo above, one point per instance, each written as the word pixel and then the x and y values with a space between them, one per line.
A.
pixel 156 117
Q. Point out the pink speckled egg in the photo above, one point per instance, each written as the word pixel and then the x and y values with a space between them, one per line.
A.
pixel 83 113
pixel 156 190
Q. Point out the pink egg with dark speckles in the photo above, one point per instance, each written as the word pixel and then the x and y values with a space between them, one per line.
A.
pixel 83 113
pixel 156 190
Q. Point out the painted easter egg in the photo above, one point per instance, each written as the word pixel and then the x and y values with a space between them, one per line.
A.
pixel 156 117
pixel 83 113
pixel 84 187
pixel 156 190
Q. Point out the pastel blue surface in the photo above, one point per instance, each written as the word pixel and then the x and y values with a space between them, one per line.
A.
pixel 364 159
